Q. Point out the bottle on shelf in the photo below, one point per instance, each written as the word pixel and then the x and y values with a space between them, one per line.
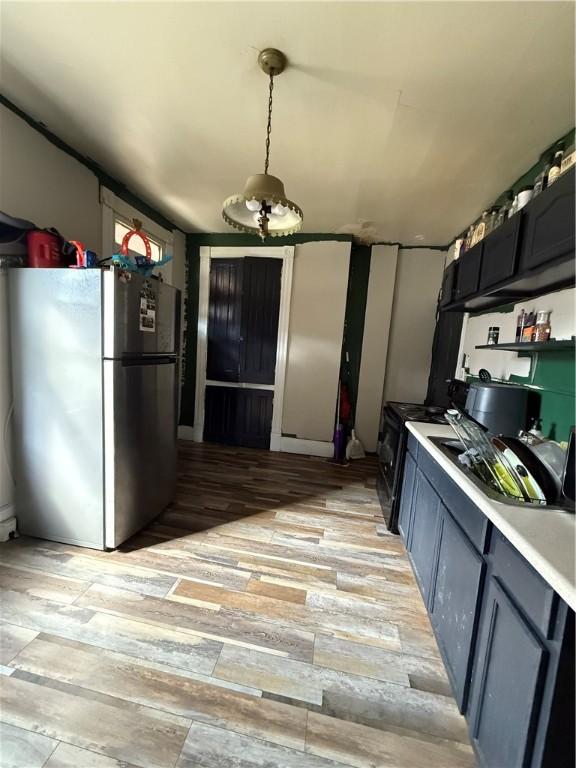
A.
pixel 469 238
pixel 542 327
pixel 459 247
pixel 528 330
pixel 493 220
pixel 504 211
pixel 520 325
pixel 514 207
pixel 554 171
pixel 540 181
pixel 569 159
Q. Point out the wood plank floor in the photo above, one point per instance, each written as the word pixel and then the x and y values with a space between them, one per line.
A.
pixel 266 620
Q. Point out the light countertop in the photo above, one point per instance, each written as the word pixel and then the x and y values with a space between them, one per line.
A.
pixel 546 537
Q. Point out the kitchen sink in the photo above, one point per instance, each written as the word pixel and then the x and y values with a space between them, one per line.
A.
pixel 452 452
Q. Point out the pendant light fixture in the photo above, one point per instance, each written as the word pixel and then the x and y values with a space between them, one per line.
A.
pixel 263 208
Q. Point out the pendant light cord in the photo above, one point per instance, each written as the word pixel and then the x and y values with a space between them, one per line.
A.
pixel 269 125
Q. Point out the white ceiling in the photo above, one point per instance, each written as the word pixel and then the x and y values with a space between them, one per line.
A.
pixel 410 116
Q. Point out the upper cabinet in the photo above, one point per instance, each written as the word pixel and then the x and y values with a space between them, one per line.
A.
pixel 529 255
pixel 550 225
pixel 500 255
pixel 468 276
pixel 449 284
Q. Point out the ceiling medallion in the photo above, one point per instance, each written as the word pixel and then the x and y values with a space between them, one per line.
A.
pixel 263 208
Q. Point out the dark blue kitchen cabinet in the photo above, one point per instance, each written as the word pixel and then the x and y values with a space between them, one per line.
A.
pixel 454 602
pixel 500 254
pixel 468 273
pixel 505 636
pixel 422 534
pixel 507 681
pixel 550 225
pixel 405 512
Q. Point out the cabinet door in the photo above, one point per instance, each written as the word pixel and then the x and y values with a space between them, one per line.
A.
pixel 448 283
pixel 499 256
pixel 254 418
pixel 550 224
pixel 505 694
pixel 468 274
pixel 224 320
pixel 454 602
pixel 220 415
pixel 260 308
pixel 423 531
pixel 406 498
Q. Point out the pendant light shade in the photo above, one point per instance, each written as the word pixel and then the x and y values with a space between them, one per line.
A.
pixel 244 211
pixel 263 208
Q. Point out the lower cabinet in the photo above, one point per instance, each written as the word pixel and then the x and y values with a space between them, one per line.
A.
pixel 423 529
pixel 511 661
pixel 405 511
pixel 454 602
pixel 506 638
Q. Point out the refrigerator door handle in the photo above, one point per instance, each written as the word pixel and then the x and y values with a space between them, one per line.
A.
pixel 149 360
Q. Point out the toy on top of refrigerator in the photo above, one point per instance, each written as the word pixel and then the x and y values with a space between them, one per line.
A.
pixel 142 264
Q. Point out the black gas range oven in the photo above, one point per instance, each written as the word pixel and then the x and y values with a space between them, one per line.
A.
pixel 392 452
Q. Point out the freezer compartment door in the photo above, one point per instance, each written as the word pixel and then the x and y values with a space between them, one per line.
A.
pixel 140 424
pixel 141 316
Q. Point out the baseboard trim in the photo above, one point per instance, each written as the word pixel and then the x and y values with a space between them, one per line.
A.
pixel 277 443
pixel 190 433
pixel 6 512
pixel 306 447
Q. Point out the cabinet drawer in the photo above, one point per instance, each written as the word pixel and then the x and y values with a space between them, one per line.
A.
pixel 531 593
pixel 472 521
pixel 468 275
pixel 499 256
pixel 550 224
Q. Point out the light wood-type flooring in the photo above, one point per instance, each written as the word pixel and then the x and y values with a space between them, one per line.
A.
pixel 266 620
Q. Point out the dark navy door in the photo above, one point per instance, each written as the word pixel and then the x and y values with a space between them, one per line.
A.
pixel 244 306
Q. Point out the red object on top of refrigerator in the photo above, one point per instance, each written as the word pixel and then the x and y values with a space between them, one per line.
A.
pixel 43 249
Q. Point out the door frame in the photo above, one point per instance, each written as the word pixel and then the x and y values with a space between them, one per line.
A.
pixel 286 254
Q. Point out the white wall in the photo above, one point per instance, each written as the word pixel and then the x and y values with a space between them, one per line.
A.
pixel 379 302
pixel 501 365
pixel 6 489
pixel 418 281
pixel 320 282
pixel 41 183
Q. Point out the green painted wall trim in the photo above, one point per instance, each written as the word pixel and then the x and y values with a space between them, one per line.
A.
pixel 188 400
pixel 354 318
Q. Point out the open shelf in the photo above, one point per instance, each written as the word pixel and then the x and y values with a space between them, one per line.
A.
pixel 532 346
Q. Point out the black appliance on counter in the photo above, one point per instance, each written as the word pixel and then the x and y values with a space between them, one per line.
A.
pixel 392 452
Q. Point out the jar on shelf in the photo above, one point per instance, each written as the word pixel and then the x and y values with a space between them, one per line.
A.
pixel 523 197
pixel 493 334
pixel 542 327
pixel 493 221
pixel 480 229
pixel 469 238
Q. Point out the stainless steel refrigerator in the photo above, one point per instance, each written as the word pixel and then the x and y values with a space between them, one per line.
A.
pixel 95 359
